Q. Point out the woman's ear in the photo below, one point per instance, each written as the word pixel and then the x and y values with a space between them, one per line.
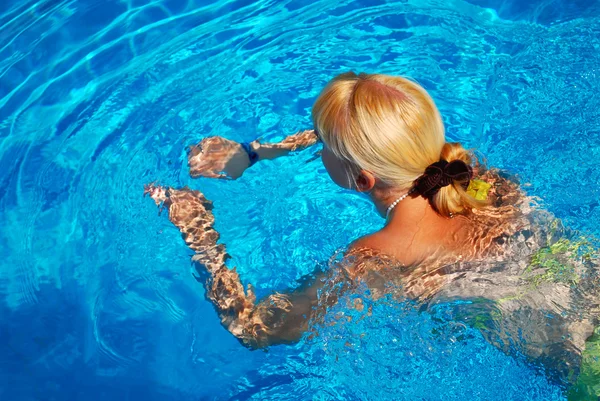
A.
pixel 365 181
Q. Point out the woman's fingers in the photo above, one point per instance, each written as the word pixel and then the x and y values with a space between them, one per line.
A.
pixel 156 192
pixel 217 157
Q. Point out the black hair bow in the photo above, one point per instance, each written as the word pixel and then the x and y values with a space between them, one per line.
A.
pixel 441 174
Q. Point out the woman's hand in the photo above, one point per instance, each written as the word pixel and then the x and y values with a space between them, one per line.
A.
pixel 217 157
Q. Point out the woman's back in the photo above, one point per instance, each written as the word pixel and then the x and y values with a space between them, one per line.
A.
pixel 511 269
pixel 417 236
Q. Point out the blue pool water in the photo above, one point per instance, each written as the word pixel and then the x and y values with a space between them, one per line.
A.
pixel 98 98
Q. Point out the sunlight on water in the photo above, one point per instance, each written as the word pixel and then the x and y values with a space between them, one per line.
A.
pixel 99 98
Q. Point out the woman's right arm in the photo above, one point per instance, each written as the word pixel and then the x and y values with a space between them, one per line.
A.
pixel 217 157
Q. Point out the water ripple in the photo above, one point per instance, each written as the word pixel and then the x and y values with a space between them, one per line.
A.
pixel 98 98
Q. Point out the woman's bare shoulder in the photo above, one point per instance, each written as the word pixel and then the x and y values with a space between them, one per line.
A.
pixel 385 246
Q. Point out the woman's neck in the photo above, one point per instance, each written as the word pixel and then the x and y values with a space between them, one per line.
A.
pixel 413 230
pixel 410 209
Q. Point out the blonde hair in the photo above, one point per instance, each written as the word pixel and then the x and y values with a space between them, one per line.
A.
pixel 389 126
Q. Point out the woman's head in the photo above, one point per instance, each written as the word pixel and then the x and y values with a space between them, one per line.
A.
pixel 388 128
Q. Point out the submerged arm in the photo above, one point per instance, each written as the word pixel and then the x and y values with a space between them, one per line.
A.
pixel 292 143
pixel 278 318
pixel 217 157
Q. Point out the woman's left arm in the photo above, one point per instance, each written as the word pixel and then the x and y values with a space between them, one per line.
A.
pixel 276 319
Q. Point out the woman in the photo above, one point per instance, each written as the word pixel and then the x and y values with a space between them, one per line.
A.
pixel 452 228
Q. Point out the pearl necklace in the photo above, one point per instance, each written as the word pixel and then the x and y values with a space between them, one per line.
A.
pixel 393 205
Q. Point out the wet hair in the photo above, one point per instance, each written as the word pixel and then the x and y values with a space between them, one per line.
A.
pixel 389 126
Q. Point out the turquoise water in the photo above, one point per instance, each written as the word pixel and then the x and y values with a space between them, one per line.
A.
pixel 99 98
